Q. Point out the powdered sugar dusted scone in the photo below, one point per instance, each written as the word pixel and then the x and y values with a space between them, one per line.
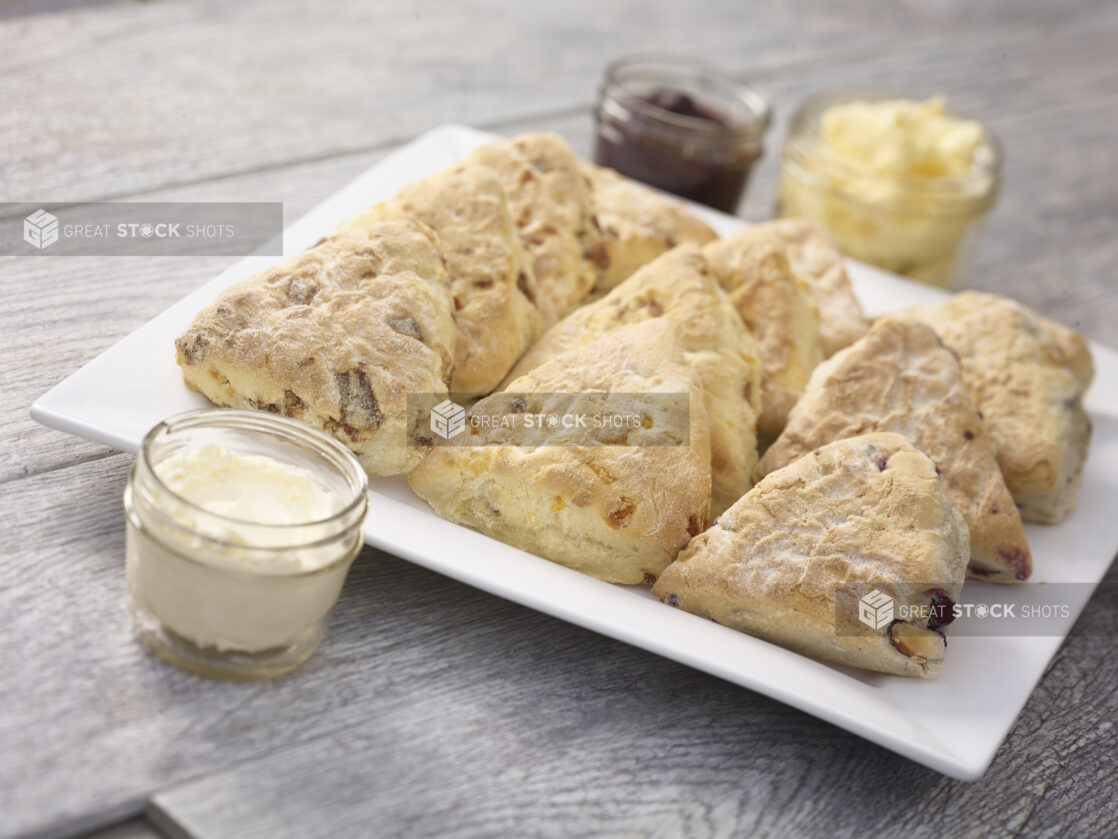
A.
pixel 550 203
pixel 901 378
pixel 336 337
pixel 790 561
pixel 1026 389
pixel 493 286
pixel 621 511
pixel 812 253
pixel 638 224
pixel 779 309
pixel 718 350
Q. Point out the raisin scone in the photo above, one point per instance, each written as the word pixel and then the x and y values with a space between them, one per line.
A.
pixel 616 503
pixel 718 350
pixel 336 337
pixel 779 309
pixel 812 253
pixel 862 517
pixel 493 286
pixel 638 224
pixel 1029 390
pixel 550 203
pixel 901 378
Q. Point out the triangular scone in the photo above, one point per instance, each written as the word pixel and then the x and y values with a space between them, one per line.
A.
pixel 777 305
pixel 550 203
pixel 718 350
pixel 638 224
pixel 1028 393
pixel 815 257
pixel 620 511
pixel 865 517
pixel 901 378
pixel 337 337
pixel 492 284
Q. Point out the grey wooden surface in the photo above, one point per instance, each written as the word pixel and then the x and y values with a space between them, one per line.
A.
pixel 433 708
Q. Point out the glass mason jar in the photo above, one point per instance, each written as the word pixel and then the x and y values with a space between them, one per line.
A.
pixel 234 599
pixel 926 228
pixel 674 124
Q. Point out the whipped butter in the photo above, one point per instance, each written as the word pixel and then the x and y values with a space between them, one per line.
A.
pixel 901 184
pixel 235 558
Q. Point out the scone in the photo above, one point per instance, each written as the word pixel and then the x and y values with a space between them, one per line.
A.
pixel 777 305
pixel 812 253
pixel 550 203
pixel 718 350
pixel 336 337
pixel 1029 391
pixel 901 378
pixel 493 286
pixel 1071 350
pixel 614 503
pixel 638 224
pixel 865 517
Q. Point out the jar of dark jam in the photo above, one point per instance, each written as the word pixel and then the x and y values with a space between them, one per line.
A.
pixel 674 124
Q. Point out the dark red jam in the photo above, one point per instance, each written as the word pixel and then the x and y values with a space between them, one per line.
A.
pixel 679 142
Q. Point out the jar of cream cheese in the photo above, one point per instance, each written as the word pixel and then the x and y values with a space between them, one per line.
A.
pixel 241 528
pixel 900 184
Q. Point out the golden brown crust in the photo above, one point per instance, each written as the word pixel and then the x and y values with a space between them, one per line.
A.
pixel 718 350
pixel 1071 350
pixel 812 253
pixel 1030 399
pixel 550 204
pixel 619 512
pixel 862 513
pixel 778 308
pixel 901 378
pixel 638 224
pixel 492 284
pixel 337 337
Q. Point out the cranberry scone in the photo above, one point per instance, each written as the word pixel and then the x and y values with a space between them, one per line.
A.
pixel 865 517
pixel 779 309
pixel 492 283
pixel 638 224
pixel 901 378
pixel 1029 389
pixel 551 206
pixel 616 503
pixel 336 337
pixel 718 350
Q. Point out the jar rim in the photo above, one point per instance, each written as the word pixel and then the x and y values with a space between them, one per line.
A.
pixel 254 421
pixel 748 121
pixel 802 143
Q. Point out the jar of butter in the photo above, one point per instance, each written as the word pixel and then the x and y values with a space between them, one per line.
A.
pixel 900 184
pixel 241 528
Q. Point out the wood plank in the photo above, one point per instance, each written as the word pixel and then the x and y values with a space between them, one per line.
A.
pixel 139 98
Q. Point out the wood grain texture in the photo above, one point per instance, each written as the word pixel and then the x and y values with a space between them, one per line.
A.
pixel 167 93
pixel 434 708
